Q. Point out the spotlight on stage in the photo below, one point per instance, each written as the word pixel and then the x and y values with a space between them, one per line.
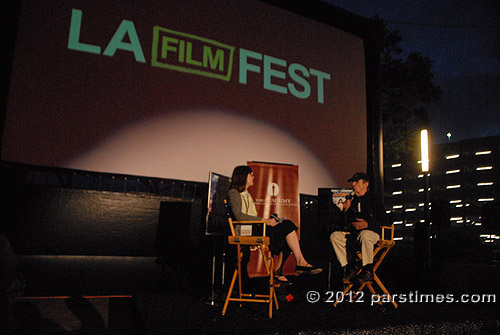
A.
pixel 188 144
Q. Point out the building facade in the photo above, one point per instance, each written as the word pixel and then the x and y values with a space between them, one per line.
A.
pixel 462 189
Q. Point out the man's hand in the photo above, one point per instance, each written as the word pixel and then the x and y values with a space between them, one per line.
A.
pixel 346 204
pixel 360 224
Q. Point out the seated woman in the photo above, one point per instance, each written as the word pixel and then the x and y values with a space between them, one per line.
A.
pixel 283 236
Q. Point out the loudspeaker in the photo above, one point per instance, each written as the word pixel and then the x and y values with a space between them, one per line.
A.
pixel 180 250
pixel 177 236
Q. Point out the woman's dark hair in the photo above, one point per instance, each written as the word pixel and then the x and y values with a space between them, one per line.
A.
pixel 239 178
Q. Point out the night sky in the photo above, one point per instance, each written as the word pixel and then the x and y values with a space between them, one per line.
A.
pixel 462 39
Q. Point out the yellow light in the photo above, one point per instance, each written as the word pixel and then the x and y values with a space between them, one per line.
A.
pixel 452 171
pixel 425 150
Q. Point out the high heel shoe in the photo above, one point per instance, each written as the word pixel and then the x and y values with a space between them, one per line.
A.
pixel 281 281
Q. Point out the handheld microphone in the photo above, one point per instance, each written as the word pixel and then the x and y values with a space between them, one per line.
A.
pixel 276 217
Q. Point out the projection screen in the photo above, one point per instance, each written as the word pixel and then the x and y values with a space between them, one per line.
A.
pixel 175 89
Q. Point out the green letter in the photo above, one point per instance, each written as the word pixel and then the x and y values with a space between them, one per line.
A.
pixel 182 50
pixel 208 58
pixel 321 76
pixel 74 35
pixel 268 73
pixel 245 66
pixel 189 55
pixel 292 71
pixel 117 41
pixel 165 47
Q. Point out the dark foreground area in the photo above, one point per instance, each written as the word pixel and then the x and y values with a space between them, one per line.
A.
pixel 300 317
pixel 130 295
pixel 180 313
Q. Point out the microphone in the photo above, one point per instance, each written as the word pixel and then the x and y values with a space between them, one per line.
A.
pixel 276 218
pixel 349 196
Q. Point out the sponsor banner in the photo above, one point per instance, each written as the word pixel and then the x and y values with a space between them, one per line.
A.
pixel 275 191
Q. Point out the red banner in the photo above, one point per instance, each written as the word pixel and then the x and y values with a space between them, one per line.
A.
pixel 275 190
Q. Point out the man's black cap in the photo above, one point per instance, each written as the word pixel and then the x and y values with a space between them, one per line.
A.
pixel 359 175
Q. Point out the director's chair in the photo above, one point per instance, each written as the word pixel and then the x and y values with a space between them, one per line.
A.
pixel 261 242
pixel 382 248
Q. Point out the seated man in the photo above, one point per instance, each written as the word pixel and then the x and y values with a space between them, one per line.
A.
pixel 361 217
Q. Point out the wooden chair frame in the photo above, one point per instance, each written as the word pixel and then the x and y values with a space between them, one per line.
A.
pixel 382 247
pixel 262 243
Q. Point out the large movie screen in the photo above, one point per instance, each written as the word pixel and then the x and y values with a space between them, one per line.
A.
pixel 178 88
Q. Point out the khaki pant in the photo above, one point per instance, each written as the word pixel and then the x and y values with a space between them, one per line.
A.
pixel 366 237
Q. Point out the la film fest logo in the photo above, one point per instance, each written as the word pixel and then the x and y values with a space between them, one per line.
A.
pixel 273 189
pixel 197 55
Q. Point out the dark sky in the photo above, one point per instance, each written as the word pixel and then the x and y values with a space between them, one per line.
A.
pixel 463 40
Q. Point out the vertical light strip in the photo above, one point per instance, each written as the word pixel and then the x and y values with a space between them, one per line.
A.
pixel 425 150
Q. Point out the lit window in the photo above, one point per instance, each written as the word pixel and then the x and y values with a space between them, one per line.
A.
pixel 452 171
pixel 398 238
pixel 397 192
pixel 452 187
pixel 455 201
pixel 482 168
pixel 398 178
pixel 489 238
pixel 410 210
pixel 452 156
pixel 485 199
pixel 397 206
pixel 421 204
pixel 409 225
pixel 485 184
pixel 420 190
pixel 459 206
pixel 483 153
pixel 396 165
pixel 398 222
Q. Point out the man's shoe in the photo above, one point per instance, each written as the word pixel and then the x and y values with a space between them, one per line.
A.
pixel 311 270
pixel 349 273
pixel 364 276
